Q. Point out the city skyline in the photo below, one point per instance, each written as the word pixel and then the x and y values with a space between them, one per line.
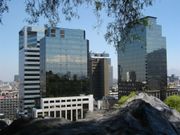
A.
pixel 9 35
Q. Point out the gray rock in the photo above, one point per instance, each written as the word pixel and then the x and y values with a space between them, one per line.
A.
pixel 3 124
pixel 172 115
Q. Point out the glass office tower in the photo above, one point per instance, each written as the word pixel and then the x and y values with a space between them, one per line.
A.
pixel 64 55
pixel 29 66
pixel 143 65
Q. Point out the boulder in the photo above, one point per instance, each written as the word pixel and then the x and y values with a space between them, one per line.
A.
pixel 172 115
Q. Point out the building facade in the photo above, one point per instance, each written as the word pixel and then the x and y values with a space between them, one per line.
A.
pixel 29 66
pixel 64 61
pixel 142 65
pixel 72 108
pixel 16 78
pixel 9 107
pixel 111 77
pixel 9 99
pixel 100 70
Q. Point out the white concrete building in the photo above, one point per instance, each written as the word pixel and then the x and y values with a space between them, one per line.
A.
pixel 72 108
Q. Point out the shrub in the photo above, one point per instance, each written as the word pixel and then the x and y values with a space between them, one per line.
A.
pixel 173 102
pixel 123 99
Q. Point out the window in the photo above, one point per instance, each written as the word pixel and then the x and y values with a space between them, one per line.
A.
pixel 69 114
pixel 85 99
pixel 31 74
pixel 46 32
pixel 85 106
pixel 29 60
pixel 45 107
pixel 79 114
pixel 57 114
pixel 57 101
pixel 46 114
pixel 53 32
pixel 51 114
pixel 62 105
pixel 63 114
pixel 51 101
pixel 62 33
pixel 39 114
pixel 51 106
pixel 62 100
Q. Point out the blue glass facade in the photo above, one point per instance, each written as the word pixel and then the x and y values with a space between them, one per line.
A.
pixel 64 54
pixel 142 65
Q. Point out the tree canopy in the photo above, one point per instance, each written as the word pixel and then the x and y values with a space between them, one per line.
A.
pixel 124 13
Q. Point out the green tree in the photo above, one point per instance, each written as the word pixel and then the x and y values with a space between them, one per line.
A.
pixel 123 13
pixel 173 102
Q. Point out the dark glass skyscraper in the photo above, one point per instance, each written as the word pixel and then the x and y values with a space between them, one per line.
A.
pixel 64 61
pixel 142 65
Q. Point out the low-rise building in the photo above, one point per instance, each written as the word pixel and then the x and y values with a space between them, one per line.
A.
pixel 9 99
pixel 8 107
pixel 72 108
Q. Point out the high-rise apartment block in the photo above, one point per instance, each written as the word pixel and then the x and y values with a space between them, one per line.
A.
pixel 29 66
pixel 100 70
pixel 142 64
pixel 64 62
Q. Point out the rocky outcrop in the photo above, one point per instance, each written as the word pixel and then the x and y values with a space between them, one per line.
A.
pixel 137 117
pixel 3 124
pixel 171 115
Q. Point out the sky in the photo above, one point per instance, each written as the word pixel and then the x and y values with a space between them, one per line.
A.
pixel 166 11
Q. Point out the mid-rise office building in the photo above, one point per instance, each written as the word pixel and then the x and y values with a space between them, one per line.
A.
pixel 142 65
pixel 29 66
pixel 64 61
pixel 100 70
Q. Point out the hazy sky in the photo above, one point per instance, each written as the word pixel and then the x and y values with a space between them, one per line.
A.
pixel 166 11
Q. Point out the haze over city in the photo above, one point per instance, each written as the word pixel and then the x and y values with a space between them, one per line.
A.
pixel 167 13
